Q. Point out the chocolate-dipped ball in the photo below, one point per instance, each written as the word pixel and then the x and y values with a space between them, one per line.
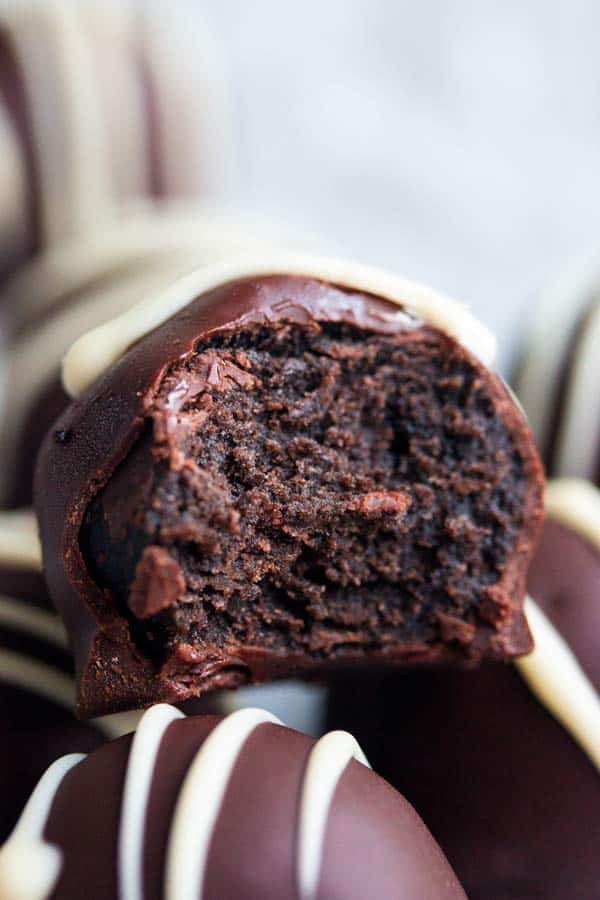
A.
pixel 558 375
pixel 37 686
pixel 102 104
pixel 215 808
pixel 303 466
pixel 511 793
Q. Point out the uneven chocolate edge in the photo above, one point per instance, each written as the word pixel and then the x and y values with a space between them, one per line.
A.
pixel 98 430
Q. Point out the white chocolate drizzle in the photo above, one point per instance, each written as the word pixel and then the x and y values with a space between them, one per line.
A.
pixel 326 764
pixel 552 670
pixel 575 503
pixel 136 792
pixel 38 677
pixel 200 801
pixel 555 677
pixel 196 813
pixel 13 190
pixel 578 438
pixel 94 352
pixel 19 542
pixel 561 349
pixel 43 679
pixel 29 865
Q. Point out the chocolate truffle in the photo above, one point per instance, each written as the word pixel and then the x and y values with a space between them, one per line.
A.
pixel 290 473
pixel 558 376
pixel 37 686
pixel 508 792
pixel 101 105
pixel 215 808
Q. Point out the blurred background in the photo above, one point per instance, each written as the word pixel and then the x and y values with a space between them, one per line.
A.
pixel 458 143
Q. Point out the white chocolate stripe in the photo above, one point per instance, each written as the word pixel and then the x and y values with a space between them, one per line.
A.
pixel 13 190
pixel 555 677
pixel 32 821
pixel 71 153
pixel 45 680
pixel 22 615
pixel 575 503
pixel 96 351
pixel 138 781
pixel 538 381
pixel 326 764
pixel 29 866
pixel 200 801
pixel 193 109
pixel 37 677
pixel 578 438
pixel 113 26
pixel 19 541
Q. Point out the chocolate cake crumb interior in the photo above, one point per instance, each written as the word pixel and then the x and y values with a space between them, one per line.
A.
pixel 314 487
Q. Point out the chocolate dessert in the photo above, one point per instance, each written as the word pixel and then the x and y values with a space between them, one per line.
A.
pixel 287 475
pixel 214 808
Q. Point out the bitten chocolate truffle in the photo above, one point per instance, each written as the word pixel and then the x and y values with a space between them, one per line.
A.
pixel 506 789
pixel 214 808
pixel 37 685
pixel 558 375
pixel 102 105
pixel 290 473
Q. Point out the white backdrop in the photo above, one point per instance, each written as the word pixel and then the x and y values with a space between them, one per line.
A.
pixel 457 141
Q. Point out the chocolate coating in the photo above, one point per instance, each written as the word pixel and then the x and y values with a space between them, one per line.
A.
pixel 35 728
pixel 511 798
pixel 98 432
pixel 374 843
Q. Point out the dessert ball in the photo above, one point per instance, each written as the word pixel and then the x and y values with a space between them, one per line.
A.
pixel 102 105
pixel 505 766
pixel 37 685
pixel 281 468
pixel 213 808
pixel 558 375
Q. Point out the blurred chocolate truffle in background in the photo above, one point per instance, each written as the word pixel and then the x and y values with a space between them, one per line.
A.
pixel 558 376
pixel 246 492
pixel 212 808
pixel 37 685
pixel 103 105
pixel 506 789
pixel 114 139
